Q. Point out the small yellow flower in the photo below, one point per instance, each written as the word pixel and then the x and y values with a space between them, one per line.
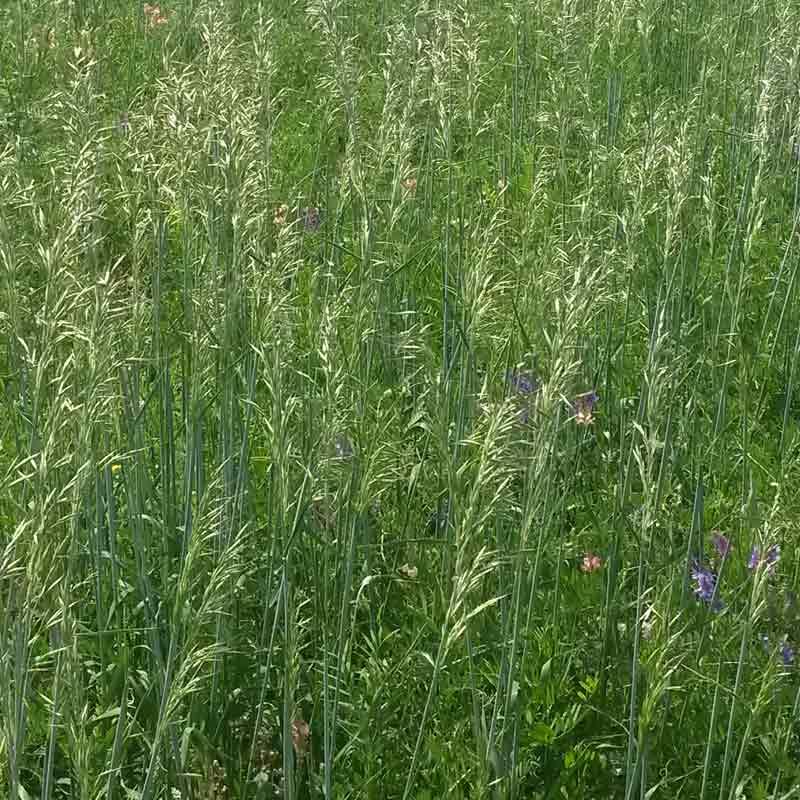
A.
pixel 115 468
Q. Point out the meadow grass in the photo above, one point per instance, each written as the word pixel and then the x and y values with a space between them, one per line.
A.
pixel 399 399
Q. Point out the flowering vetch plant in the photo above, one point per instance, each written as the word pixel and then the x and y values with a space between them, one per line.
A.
pixel 525 385
pixel 769 559
pixel 786 651
pixel 705 585
pixel 522 382
pixel 722 544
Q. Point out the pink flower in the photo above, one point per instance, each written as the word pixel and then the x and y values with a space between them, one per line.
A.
pixel 591 563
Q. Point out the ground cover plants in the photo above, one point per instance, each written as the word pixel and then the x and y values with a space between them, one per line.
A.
pixel 399 399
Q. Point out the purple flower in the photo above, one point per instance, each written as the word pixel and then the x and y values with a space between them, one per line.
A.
pixel 522 382
pixel 770 558
pixel 584 407
pixel 525 385
pixel 722 544
pixel 705 585
pixel 705 581
pixel 786 650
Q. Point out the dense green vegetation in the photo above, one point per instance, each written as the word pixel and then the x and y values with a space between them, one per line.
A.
pixel 399 399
